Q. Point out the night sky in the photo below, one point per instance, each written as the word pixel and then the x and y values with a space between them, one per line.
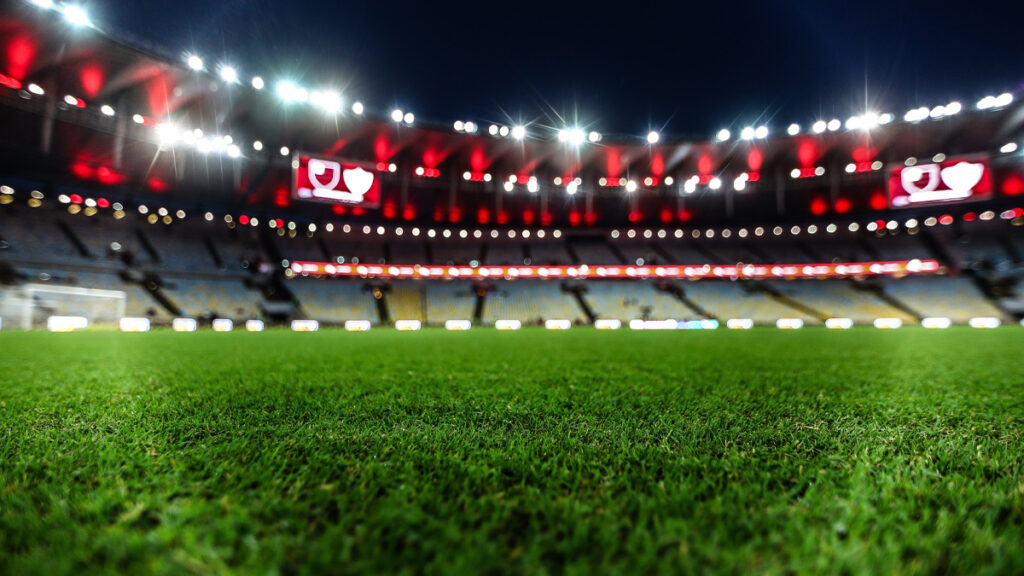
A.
pixel 685 68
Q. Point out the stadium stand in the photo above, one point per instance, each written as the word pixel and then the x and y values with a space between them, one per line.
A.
pixel 202 266
pixel 335 301
pixel 954 298
pixel 630 300
pixel 531 302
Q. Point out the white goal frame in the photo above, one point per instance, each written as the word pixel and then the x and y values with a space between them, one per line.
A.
pixel 28 306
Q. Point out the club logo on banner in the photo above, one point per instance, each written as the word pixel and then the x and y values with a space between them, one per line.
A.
pixel 955 180
pixel 335 181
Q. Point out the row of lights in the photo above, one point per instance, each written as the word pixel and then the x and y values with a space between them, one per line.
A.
pixel 76 203
pixel 872 120
pixel 7 195
pixel 129 324
pixel 332 102
pixel 796 230
pixel 168 134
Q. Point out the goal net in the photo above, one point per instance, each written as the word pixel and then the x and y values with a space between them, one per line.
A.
pixel 31 305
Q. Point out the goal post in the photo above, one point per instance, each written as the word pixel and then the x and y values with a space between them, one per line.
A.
pixel 30 305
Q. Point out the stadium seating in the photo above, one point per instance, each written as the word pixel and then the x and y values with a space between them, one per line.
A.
pixel 221 297
pixel 954 298
pixel 629 300
pixel 334 301
pixel 725 299
pixel 839 299
pixel 186 255
pixel 530 301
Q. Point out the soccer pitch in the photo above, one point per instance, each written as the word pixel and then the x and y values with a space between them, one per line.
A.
pixel 861 451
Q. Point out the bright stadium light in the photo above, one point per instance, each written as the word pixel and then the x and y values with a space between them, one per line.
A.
pixel 653 137
pixel 834 125
pixel 724 135
pixel 223 325
pixel 357 108
pixel 577 137
pixel 819 127
pixel 793 129
pixel 289 92
pixel 329 102
pixel 183 325
pixel 134 324
pixel 1009 148
pixel 936 323
pixel 408 325
pixel 519 132
pixel 397 115
pixel 194 62
pixel 305 326
pixel 739 324
pixel 76 15
pixel 357 326
pixel 66 323
pixel 594 137
pixel 107 110
pixel 229 74
pixel 409 118
pixel 258 83
pixel 747 133
pixel 985 322
pixel 761 133
pixel 888 323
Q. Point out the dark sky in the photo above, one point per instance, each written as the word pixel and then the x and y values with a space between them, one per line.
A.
pixel 621 67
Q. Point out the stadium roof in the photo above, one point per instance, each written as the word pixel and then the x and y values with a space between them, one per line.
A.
pixel 82 104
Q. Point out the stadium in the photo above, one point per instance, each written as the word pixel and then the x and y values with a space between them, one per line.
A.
pixel 253 325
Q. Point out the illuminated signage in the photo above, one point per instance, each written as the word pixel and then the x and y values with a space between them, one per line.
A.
pixel 955 180
pixel 335 181
pixel 694 272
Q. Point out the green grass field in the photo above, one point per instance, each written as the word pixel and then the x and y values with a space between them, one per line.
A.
pixel 580 452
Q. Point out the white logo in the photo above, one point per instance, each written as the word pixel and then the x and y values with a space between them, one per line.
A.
pixel 358 181
pixel 317 168
pixel 325 176
pixel 960 179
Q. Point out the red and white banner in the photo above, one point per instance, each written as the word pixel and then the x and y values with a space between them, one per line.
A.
pixel 596 272
pixel 335 181
pixel 954 180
